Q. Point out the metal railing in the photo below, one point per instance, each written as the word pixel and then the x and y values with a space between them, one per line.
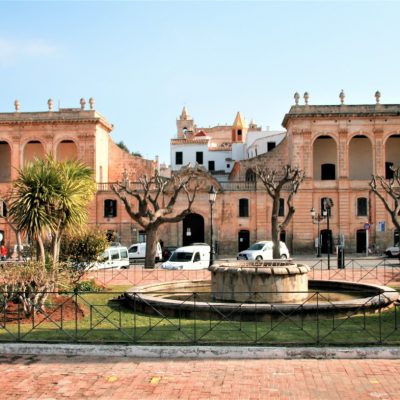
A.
pixel 93 317
pixel 380 270
pixel 384 271
pixel 228 186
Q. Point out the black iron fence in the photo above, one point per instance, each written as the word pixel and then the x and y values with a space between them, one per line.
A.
pixel 134 318
pixel 378 270
pixel 381 270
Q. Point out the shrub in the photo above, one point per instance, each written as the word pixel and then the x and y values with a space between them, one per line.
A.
pixel 82 250
pixel 29 284
pixel 88 286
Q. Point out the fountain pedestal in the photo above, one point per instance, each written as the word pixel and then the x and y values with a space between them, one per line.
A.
pixel 260 281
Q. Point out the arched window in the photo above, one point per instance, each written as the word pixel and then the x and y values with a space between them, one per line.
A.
pixel 243 208
pixel 362 207
pixel 250 176
pixel 110 208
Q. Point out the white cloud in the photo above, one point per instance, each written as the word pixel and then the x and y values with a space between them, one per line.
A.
pixel 13 51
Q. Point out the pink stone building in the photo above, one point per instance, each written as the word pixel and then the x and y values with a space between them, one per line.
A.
pixel 338 147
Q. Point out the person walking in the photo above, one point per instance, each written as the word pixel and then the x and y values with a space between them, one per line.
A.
pixel 3 252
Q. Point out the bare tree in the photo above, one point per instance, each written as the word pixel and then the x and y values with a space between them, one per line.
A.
pixel 379 185
pixel 275 182
pixel 156 197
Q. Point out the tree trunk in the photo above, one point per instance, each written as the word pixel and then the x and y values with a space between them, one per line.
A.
pixel 276 252
pixel 19 245
pixel 151 246
pixel 41 249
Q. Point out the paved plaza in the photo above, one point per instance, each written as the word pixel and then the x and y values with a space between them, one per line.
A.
pixel 77 377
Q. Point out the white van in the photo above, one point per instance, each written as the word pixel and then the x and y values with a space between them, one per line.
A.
pixel 137 252
pixel 189 257
pixel 113 257
pixel 262 251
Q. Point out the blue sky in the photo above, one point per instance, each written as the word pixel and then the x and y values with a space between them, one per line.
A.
pixel 143 61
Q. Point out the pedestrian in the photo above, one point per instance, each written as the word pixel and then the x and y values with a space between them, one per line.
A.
pixel 3 252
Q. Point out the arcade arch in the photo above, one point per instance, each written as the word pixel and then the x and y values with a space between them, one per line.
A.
pixel 5 157
pixel 360 158
pixel 33 150
pixel 325 158
pixel 392 154
pixel 66 150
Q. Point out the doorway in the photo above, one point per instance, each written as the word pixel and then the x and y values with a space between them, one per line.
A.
pixel 361 239
pixel 396 237
pixel 243 240
pixel 193 229
pixel 326 237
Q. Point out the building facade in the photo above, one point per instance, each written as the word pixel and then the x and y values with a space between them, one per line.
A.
pixel 217 148
pixel 337 146
pixel 70 133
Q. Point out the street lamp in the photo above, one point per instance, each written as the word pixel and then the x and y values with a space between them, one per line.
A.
pixel 328 204
pixel 212 197
pixel 316 219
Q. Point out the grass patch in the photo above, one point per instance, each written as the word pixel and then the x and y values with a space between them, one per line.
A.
pixel 106 321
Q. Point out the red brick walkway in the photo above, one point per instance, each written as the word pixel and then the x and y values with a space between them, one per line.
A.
pixel 58 377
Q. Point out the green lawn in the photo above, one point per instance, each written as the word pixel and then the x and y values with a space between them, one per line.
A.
pixel 109 322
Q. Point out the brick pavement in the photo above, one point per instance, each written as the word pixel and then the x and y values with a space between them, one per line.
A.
pixel 77 377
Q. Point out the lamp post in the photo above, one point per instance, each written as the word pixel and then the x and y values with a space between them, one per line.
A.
pixel 316 219
pixel 212 197
pixel 328 204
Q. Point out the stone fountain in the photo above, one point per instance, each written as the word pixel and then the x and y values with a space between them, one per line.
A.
pixel 258 290
pixel 260 282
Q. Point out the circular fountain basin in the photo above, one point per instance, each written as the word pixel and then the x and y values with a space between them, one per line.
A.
pixel 277 281
pixel 194 299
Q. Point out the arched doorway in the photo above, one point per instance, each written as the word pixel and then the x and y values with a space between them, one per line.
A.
pixel 193 229
pixel 326 237
pixel 33 150
pixel 67 150
pixel 5 157
pixel 361 240
pixel 243 240
pixel 324 158
pixel 360 158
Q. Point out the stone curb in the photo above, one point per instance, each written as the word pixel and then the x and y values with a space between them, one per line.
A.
pixel 201 352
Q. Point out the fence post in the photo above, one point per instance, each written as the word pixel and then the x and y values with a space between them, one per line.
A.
pixel 19 320
pixel 380 321
pixel 76 314
pixel 318 335
pixel 194 319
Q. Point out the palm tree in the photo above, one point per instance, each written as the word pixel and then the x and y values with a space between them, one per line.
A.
pixel 51 197
pixel 75 190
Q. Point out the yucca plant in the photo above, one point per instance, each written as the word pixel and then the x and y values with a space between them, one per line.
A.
pixel 49 198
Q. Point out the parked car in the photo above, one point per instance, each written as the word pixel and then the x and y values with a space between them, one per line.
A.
pixel 113 257
pixel 137 252
pixel 393 251
pixel 167 251
pixel 189 257
pixel 262 251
